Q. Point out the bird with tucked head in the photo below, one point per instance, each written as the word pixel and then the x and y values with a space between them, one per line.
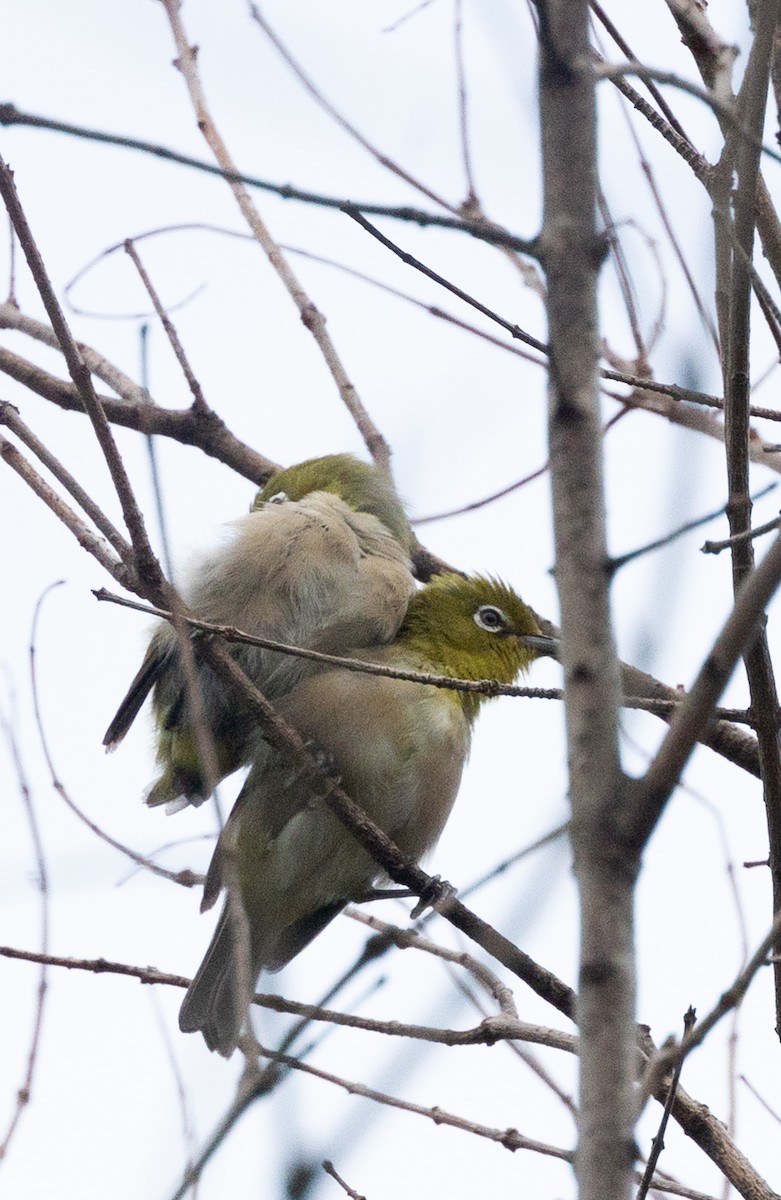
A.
pixel 399 748
pixel 321 562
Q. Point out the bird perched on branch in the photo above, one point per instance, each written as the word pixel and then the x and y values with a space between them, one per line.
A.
pixel 321 562
pixel 398 748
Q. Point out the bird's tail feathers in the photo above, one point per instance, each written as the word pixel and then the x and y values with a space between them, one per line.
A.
pixel 145 679
pixel 217 999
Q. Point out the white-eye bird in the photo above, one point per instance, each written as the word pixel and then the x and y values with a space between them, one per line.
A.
pixel 398 748
pixel 322 562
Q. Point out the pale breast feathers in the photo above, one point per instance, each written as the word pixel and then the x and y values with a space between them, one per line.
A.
pixel 310 568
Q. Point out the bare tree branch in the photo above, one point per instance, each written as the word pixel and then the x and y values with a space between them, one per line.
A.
pixel 571 254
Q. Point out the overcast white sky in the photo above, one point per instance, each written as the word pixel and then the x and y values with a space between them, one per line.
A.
pixel 464 418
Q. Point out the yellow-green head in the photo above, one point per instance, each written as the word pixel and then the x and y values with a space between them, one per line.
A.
pixel 472 628
pixel 363 486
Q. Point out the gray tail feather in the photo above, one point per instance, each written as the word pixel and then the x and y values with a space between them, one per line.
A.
pixel 145 679
pixel 217 1000
pixel 216 1003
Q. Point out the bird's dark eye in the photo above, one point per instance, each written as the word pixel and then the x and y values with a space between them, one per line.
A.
pixel 490 618
pixel 278 498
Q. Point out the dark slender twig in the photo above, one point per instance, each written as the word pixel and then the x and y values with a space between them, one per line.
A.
pixel 622 559
pixel 228 633
pixel 330 1169
pixel 495 1028
pixel 654 790
pixel 207 431
pixel 144 558
pixel 677 393
pixel 630 95
pixel 625 49
pixel 683 394
pixel 743 155
pixel 86 538
pixel 515 331
pixel 481 230
pixel 463 107
pixel 657 1144
pixel 721 108
pixel 668 1057
pixel 748 534
pixel 9 416
pixel 663 705
pixel 697 163
pixel 511 1139
pixel 476 504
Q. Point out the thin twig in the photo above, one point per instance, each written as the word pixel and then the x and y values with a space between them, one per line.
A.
pixel 663 705
pixel 100 551
pixel 144 558
pixel 463 106
pixel 199 403
pixel 668 1057
pixel 205 431
pixel 653 791
pixel 330 1169
pixel 645 166
pixel 491 499
pixel 493 1029
pixel 311 317
pixel 622 559
pixel 184 878
pixel 485 687
pixel 481 230
pixel 511 1139
pixel 743 155
pixel 657 1144
pixel 514 330
pixel 652 88
pixel 721 108
pixel 9 416
pixel 748 534
pixel 760 1099
pixel 24 1093
pixel 343 122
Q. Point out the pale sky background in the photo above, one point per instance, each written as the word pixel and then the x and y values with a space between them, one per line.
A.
pixel 463 419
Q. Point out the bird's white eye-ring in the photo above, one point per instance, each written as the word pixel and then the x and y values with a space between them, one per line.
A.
pixel 490 618
pixel 278 498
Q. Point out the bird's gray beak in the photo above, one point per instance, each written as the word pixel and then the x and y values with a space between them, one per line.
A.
pixel 545 647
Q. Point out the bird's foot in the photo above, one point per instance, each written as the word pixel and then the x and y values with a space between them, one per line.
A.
pixel 327 766
pixel 325 761
pixel 438 894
